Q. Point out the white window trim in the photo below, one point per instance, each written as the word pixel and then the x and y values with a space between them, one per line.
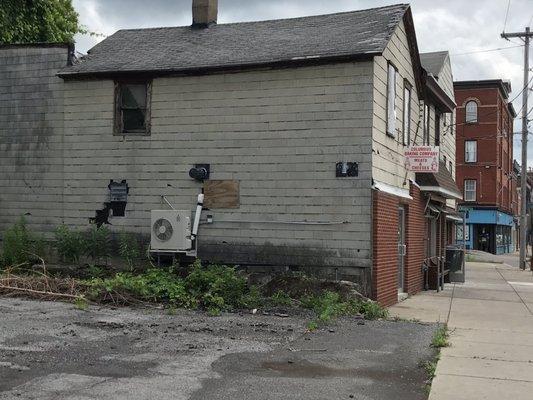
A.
pixel 473 115
pixel 391 100
pixel 473 154
pixel 407 98
pixel 474 191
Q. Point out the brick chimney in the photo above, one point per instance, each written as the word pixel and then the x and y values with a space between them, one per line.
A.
pixel 204 13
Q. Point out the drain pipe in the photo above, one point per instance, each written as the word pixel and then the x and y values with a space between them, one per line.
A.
pixel 197 215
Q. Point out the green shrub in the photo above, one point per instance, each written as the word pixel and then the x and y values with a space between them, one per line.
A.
pixel 330 305
pixel 216 286
pixel 70 244
pixel 98 243
pixel 128 248
pixel 155 285
pixel 372 310
pixel 20 246
pixel 281 298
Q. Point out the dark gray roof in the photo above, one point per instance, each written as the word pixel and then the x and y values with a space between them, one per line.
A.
pixel 182 49
pixel 433 62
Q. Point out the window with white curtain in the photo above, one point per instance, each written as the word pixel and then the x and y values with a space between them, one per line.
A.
pixel 471 112
pixel 470 190
pixel 391 100
pixel 470 151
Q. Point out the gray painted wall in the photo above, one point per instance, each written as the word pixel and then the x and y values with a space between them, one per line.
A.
pixel 278 132
pixel 31 123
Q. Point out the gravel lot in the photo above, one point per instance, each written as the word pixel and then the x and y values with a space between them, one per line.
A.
pixel 53 351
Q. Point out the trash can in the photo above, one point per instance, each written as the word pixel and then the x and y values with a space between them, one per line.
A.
pixel 454 263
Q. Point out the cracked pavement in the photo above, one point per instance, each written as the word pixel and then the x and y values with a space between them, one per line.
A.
pixel 51 350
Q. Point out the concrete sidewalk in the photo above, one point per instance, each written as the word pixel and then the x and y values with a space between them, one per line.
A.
pixel 490 318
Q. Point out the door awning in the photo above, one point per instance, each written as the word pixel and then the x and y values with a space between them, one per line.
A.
pixel 441 182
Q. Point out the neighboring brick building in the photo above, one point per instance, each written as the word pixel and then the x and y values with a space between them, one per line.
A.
pixel 485 169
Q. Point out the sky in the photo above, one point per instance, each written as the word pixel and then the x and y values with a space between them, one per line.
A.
pixel 459 26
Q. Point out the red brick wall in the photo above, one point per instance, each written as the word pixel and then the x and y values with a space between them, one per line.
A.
pixel 494 135
pixel 385 248
pixel 416 238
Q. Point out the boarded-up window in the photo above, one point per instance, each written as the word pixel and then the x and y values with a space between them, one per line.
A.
pixel 221 194
pixel 391 100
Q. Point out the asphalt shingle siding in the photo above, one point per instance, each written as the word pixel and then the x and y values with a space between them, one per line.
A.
pixel 364 32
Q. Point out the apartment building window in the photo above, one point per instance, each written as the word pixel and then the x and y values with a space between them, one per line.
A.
pixel 470 189
pixel 471 112
pixel 132 108
pixel 470 151
pixel 391 100
pixel 406 137
pixel 437 128
pixel 427 118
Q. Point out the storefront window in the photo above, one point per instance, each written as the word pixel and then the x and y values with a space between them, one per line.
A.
pixel 459 232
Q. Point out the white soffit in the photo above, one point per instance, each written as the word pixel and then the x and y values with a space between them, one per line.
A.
pixel 396 191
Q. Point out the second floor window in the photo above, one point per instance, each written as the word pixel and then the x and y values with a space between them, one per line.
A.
pixel 132 108
pixel 471 112
pixel 406 114
pixel 427 118
pixel 470 190
pixel 391 100
pixel 470 151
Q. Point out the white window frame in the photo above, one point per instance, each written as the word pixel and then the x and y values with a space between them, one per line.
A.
pixel 471 116
pixel 406 138
pixel 391 100
pixel 471 190
pixel 470 153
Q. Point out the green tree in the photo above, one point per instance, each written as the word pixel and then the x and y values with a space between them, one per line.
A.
pixel 38 21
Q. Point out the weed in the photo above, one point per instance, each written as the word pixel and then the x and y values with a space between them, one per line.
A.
pixel 216 287
pixel 329 305
pixel 20 246
pixel 69 244
pixel 81 304
pixel 431 367
pixel 155 285
pixel 98 243
pixel 372 310
pixel 440 338
pixel 172 310
pixel 128 249
pixel 281 298
pixel 312 326
pixel 95 271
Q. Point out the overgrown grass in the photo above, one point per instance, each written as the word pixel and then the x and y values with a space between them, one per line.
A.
pixel 440 338
pixel 329 305
pixel 128 249
pixel 214 288
pixel 69 244
pixel 20 245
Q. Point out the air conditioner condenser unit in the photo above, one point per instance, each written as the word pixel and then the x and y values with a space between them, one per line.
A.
pixel 171 231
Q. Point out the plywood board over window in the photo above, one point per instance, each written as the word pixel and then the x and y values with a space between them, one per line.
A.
pixel 221 194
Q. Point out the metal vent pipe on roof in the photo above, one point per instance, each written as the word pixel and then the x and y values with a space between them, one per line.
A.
pixel 204 13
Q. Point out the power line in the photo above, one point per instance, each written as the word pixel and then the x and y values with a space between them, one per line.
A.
pixel 486 50
pixel 506 15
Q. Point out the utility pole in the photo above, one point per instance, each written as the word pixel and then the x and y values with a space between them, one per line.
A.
pixel 526 36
